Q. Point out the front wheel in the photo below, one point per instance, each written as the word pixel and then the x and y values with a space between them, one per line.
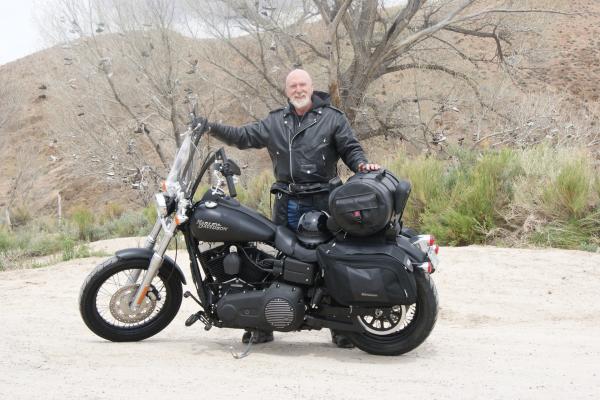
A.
pixel 106 293
pixel 399 329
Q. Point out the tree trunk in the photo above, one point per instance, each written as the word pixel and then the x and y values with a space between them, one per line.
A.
pixel 8 223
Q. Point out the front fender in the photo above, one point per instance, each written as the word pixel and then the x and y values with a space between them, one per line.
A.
pixel 168 265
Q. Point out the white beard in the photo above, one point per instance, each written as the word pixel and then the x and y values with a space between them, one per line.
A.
pixel 300 103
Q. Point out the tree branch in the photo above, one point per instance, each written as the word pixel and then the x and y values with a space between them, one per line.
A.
pixel 470 32
pixel 436 67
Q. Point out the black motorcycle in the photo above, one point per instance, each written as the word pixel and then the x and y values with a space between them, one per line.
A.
pixel 355 270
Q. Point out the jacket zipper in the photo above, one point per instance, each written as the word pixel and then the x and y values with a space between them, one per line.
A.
pixel 292 139
pixel 290 153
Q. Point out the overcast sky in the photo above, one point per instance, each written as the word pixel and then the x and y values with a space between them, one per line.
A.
pixel 18 32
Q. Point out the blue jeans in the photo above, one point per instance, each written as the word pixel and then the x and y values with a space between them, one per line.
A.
pixel 295 211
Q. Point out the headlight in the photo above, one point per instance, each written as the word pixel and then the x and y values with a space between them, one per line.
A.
pixel 161 205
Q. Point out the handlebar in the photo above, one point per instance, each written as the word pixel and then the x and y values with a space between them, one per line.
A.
pixel 228 169
pixel 231 186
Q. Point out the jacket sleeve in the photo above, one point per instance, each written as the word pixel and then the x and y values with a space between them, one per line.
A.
pixel 347 145
pixel 254 135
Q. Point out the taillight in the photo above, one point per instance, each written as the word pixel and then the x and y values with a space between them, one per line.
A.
pixel 427 267
pixel 163 186
pixel 436 249
pixel 431 240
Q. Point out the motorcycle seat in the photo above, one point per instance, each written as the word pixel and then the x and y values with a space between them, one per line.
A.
pixel 287 242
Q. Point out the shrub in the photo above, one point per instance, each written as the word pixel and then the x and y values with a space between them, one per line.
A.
pixel 112 211
pixel 84 221
pixel 568 195
pixel 41 244
pixel 6 241
pixel 68 249
pixel 256 193
pixel 426 175
pixel 150 214
pixel 73 250
pixel 202 188
pixel 581 234
pixel 20 216
pixel 130 224
pixel 474 198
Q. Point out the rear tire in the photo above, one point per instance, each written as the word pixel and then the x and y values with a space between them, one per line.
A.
pixel 102 298
pixel 410 336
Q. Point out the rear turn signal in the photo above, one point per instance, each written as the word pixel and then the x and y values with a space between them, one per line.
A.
pixel 431 240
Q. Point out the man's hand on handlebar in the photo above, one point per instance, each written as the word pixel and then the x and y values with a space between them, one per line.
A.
pixel 200 124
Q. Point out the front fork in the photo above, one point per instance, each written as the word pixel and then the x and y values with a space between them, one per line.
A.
pixel 149 244
pixel 151 238
pixel 155 262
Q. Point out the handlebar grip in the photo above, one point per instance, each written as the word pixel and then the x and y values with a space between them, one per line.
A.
pixel 231 186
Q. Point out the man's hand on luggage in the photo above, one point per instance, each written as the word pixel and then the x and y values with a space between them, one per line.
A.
pixel 362 167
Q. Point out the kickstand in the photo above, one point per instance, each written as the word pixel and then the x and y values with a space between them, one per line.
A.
pixel 246 351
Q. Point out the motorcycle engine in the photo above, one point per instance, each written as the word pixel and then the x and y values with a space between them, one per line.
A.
pixel 226 262
pixel 280 307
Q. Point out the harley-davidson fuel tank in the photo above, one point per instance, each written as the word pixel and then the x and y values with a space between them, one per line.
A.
pixel 226 220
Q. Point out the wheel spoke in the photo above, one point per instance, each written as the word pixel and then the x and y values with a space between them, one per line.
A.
pixel 105 292
pixel 387 321
pixel 105 300
pixel 114 281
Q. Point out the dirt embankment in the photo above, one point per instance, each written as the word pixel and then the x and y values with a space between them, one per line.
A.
pixel 513 324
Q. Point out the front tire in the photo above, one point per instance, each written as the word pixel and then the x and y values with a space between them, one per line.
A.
pixel 404 328
pixel 103 301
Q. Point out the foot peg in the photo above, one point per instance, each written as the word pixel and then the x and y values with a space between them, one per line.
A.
pixel 191 320
pixel 199 316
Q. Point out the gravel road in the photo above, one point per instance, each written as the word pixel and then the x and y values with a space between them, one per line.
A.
pixel 513 324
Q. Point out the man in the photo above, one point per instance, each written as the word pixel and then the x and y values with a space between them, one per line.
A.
pixel 305 140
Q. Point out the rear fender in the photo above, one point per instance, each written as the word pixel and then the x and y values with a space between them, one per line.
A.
pixel 168 265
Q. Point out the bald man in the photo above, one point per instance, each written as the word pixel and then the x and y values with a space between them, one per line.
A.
pixel 305 140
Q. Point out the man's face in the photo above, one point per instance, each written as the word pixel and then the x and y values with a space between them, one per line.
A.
pixel 299 88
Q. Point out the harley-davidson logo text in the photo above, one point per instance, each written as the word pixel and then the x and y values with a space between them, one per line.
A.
pixel 215 226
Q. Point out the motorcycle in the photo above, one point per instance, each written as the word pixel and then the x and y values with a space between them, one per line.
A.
pixel 369 282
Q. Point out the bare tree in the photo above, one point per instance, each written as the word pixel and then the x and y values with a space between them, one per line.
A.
pixel 362 51
pixel 356 48
pixel 127 82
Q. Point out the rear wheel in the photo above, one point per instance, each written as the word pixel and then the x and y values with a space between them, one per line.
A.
pixel 399 329
pixel 106 292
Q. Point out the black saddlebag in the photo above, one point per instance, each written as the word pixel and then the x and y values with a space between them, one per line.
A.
pixel 368 202
pixel 367 274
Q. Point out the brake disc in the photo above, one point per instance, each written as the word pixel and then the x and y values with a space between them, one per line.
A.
pixel 120 310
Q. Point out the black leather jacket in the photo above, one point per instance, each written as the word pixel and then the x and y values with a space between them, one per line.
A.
pixel 303 149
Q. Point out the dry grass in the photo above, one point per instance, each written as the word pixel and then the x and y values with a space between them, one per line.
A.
pixel 541 196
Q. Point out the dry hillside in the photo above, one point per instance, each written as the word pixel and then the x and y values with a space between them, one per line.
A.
pixel 42 156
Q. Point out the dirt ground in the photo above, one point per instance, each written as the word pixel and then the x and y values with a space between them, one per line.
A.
pixel 513 324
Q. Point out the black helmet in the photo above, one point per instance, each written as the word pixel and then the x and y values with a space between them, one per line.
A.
pixel 312 229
